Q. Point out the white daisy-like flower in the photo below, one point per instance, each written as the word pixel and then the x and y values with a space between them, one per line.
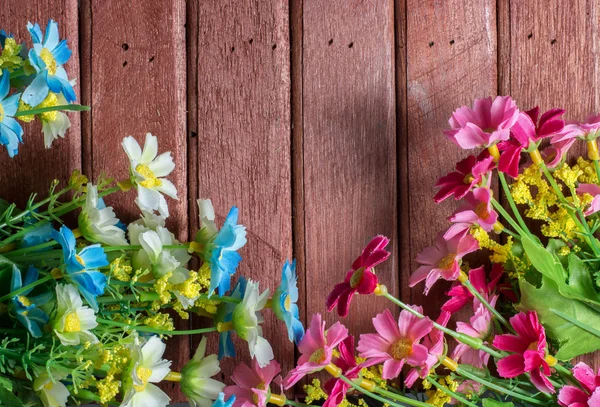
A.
pixel 97 222
pixel 51 393
pixel 55 124
pixel 196 382
pixel 246 322
pixel 147 367
pixel 73 320
pixel 148 171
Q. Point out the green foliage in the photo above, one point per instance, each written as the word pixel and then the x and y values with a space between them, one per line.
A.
pixel 7 393
pixel 495 403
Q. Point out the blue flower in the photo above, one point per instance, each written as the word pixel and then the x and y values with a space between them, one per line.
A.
pixel 220 401
pixel 26 308
pixel 81 268
pixel 11 133
pixel 225 314
pixel 284 302
pixel 224 257
pixel 47 57
pixel 38 235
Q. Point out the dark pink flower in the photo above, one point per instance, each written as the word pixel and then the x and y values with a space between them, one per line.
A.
pixel 442 260
pixel 336 388
pixel 479 326
pixel 529 351
pixel 593 190
pixel 252 384
pixel 461 296
pixel 488 122
pixel 396 342
pixel 316 348
pixel 469 173
pixel 361 278
pixel 588 395
pixel 477 211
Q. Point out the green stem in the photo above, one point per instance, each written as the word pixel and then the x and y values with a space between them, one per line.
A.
pixel 155 331
pixel 511 233
pixel 30 249
pixel 398 397
pixel 143 297
pixel 374 396
pixel 139 247
pixel 64 108
pixel 511 202
pixel 34 207
pixel 450 392
pixel 482 300
pixel 220 298
pixel 508 218
pixel 27 287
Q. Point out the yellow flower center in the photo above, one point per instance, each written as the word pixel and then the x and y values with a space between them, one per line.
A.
pixel 468 178
pixel 72 323
pixel 143 373
pixel 48 386
pixel 24 300
pixel 447 261
pixel 357 277
pixel 150 179
pixel 401 349
pixel 533 345
pixel 318 356
pixel 49 60
pixel 80 260
pixel 481 211
pixel 261 386
pixel 287 304
pixel 1 113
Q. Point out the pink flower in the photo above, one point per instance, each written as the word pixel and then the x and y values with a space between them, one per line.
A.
pixel 360 279
pixel 593 190
pixel 487 123
pixel 396 342
pixel 337 388
pixel 434 342
pixel 571 396
pixel 442 260
pixel 529 348
pixel 591 126
pixel 469 173
pixel 461 296
pixel 477 211
pixel 316 349
pixel 480 326
pixel 252 384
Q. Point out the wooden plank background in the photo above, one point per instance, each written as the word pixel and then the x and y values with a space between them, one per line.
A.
pixel 321 120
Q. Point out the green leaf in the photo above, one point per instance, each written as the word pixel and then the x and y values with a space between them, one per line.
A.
pixel 572 339
pixel 544 261
pixel 580 280
pixel 495 403
pixel 7 396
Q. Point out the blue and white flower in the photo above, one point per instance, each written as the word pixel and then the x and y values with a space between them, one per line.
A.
pixel 73 321
pixel 225 314
pixel 220 401
pixel 47 57
pixel 285 301
pixel 97 222
pixel 11 133
pixel 26 309
pixel 39 234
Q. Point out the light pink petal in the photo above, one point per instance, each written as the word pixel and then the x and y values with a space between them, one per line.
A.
pixel 465 216
pixel 541 382
pixel 419 275
pixel 586 376
pixel 430 255
pixel 245 377
pixel 433 276
pixel 418 356
pixel 373 345
pixel 467 244
pixel 392 368
pixel 419 329
pixel 336 334
pixel 570 395
pixel 387 326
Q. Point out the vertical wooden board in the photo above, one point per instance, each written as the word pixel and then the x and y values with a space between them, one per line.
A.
pixel 244 138
pixel 451 60
pixel 349 148
pixel 138 85
pixel 554 63
pixel 34 168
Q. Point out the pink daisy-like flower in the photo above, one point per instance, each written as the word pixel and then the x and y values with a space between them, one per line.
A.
pixel 252 384
pixel 488 122
pixel 337 388
pixel 360 279
pixel 477 211
pixel 461 296
pixel 593 190
pixel 590 126
pixel 529 351
pixel 588 395
pixel 316 349
pixel 479 326
pixel 469 173
pixel 442 260
pixel 396 342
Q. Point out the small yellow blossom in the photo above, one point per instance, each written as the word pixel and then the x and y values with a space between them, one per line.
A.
pixel 160 321
pixel 163 288
pixel 121 269
pixel 11 55
pixel 108 388
pixel 568 175
pixel 438 397
pixel 588 171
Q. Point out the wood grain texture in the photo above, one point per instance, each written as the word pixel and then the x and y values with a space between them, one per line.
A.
pixel 138 85
pixel 244 137
pixel 349 136
pixel 451 60
pixel 34 168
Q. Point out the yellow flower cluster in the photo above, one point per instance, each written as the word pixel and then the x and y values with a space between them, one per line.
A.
pixel 209 306
pixel 544 196
pixel 437 397
pixel 10 58
pixel 121 269
pixel 588 171
pixel 373 373
pixel 501 253
pixel 570 176
pixel 159 321
pixel 163 288
pixel 108 388
pixel 314 392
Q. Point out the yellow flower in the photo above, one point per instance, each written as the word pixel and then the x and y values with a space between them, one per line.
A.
pixel 160 321
pixel 108 388
pixel 314 392
pixel 10 58
pixel 568 175
pixel 121 269
pixel 163 288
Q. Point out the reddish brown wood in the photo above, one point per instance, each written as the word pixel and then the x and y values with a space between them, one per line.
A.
pixel 138 85
pixel 349 136
pixel 34 168
pixel 244 136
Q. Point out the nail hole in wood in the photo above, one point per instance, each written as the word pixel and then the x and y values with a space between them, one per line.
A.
pixel 553 41
pixel 431 44
pixel 250 41
pixel 124 64
pixel 451 42
pixel 350 45
pixel 151 58
pixel 330 41
pixel 125 46
pixel 232 49
pixel 194 134
pixel 529 36
pixel 274 46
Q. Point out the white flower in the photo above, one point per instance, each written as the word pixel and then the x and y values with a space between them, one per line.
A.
pixel 196 382
pixel 73 320
pixel 206 213
pixel 55 124
pixel 52 393
pixel 147 367
pixel 246 322
pixel 147 171
pixel 97 222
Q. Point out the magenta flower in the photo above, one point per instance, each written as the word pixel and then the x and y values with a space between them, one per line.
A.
pixel 593 190
pixel 477 211
pixel 361 278
pixel 252 384
pixel 434 342
pixel 461 296
pixel 337 388
pixel 469 173
pixel 529 351
pixel 316 348
pixel 487 123
pixel 588 395
pixel 442 260
pixel 479 326
pixel 396 342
